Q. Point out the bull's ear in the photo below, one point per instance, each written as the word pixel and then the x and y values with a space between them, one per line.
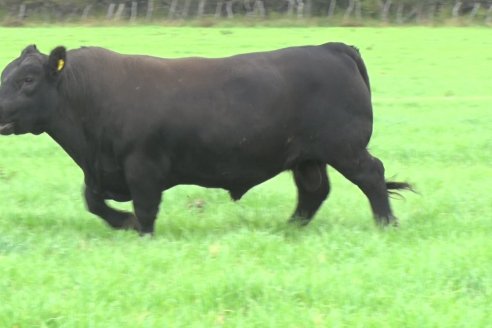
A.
pixel 56 61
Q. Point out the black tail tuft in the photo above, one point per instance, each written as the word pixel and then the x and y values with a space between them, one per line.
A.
pixel 392 186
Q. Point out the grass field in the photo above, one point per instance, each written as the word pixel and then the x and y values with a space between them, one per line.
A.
pixel 239 264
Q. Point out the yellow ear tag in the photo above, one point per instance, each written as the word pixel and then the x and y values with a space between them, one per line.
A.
pixel 61 63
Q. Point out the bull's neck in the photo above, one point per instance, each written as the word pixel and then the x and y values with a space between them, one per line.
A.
pixel 67 125
pixel 68 132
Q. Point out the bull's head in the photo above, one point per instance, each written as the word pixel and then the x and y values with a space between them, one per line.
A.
pixel 28 93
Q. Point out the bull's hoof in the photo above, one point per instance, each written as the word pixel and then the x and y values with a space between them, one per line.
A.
pixel 131 223
pixel 387 221
pixel 299 221
pixel 146 235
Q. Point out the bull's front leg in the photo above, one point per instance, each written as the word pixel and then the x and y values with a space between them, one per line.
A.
pixel 145 177
pixel 116 219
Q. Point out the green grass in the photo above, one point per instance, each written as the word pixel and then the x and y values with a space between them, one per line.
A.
pixel 238 264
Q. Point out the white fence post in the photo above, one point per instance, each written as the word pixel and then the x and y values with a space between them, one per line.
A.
pixel 22 11
pixel 300 9
pixel 85 12
pixel 150 9
pixel 260 8
pixel 201 8
pixel 119 11
pixel 110 12
pixel 230 13
pixel 349 10
pixel 385 10
pixel 218 8
pixel 331 8
pixel 488 17
pixel 474 11
pixel 134 11
pixel 172 9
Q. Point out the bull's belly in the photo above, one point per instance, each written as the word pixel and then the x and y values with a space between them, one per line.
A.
pixel 235 174
pixel 220 173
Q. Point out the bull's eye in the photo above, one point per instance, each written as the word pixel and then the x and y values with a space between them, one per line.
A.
pixel 28 79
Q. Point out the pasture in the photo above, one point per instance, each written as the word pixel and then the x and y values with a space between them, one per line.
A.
pixel 213 262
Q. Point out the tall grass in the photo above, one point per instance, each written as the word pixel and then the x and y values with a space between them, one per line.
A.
pixel 238 264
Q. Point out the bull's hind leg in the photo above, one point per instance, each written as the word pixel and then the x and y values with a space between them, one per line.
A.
pixel 312 189
pixel 367 172
pixel 116 219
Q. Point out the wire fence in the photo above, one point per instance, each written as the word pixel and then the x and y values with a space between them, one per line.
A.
pixel 331 11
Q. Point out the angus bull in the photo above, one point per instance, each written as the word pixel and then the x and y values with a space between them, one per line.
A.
pixel 138 125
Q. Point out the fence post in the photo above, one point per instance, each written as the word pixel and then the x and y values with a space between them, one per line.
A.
pixel 150 9
pixel 110 13
pixel 432 12
pixel 22 11
pixel 172 9
pixel 399 13
pixel 349 10
pixel 385 10
pixel 358 10
pixel 308 8
pixel 229 12
pixel 260 8
pixel 300 9
pixel 201 8
pixel 418 13
pixel 488 17
pixel 119 11
pixel 456 9
pixel 331 8
pixel 474 11
pixel 186 9
pixel 85 12
pixel 134 11
pixel 290 7
pixel 218 9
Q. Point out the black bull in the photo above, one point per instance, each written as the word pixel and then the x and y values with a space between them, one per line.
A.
pixel 138 125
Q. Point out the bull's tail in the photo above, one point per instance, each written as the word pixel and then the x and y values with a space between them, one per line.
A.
pixel 393 187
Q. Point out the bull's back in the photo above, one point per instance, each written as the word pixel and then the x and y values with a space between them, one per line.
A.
pixel 283 86
pixel 266 97
pixel 306 102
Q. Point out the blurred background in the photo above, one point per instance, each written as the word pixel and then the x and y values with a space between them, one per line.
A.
pixel 207 12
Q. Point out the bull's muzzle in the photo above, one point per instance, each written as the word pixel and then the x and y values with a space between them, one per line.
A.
pixel 6 128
